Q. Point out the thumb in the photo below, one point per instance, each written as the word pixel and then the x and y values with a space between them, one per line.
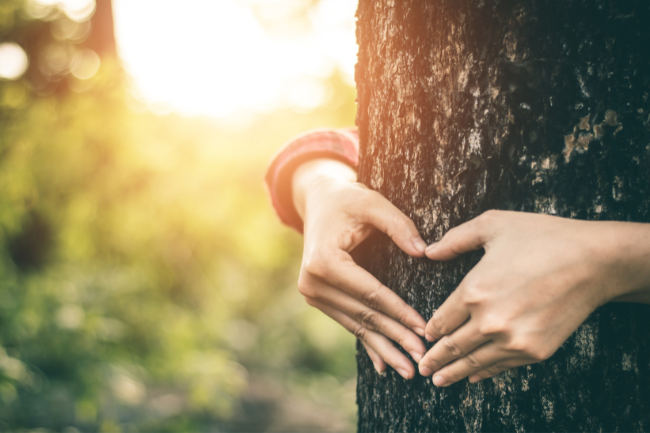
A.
pixel 382 214
pixel 469 236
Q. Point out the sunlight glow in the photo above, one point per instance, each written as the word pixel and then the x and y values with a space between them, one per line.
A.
pixel 76 10
pixel 215 58
pixel 13 61
pixel 85 64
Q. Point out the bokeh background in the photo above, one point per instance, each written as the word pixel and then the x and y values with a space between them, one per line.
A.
pixel 145 282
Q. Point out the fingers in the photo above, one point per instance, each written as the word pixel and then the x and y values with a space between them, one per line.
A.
pixel 361 285
pixel 469 236
pixel 451 315
pixel 373 320
pixel 480 359
pixel 451 347
pixel 400 228
pixel 380 345
pixel 380 365
pixel 493 370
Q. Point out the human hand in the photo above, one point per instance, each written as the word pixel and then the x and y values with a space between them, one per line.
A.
pixel 338 214
pixel 540 277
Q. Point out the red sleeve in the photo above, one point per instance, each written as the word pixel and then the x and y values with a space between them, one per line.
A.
pixel 339 144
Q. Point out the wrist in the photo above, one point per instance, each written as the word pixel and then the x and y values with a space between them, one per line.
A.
pixel 313 178
pixel 625 254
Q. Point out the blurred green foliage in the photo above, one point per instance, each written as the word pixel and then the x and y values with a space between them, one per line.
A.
pixel 145 283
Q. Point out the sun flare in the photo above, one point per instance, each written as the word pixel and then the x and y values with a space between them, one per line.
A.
pixel 215 57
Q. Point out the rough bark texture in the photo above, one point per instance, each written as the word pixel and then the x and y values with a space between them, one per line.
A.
pixel 537 106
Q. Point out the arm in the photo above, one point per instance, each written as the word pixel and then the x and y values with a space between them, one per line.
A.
pixel 540 277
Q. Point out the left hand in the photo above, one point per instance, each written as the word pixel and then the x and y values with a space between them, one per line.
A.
pixel 540 277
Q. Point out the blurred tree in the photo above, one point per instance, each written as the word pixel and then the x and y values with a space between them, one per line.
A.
pixel 102 37
pixel 530 106
pixel 139 260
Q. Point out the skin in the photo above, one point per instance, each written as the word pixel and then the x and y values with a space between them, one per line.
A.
pixel 338 214
pixel 540 278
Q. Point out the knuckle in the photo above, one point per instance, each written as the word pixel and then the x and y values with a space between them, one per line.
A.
pixel 304 287
pixel 359 332
pixel 402 222
pixel 372 297
pixel 489 216
pixel 398 224
pixel 494 326
pixel 451 347
pixel 368 319
pixel 472 361
pixel 400 340
pixel 404 316
pixel 315 267
pixel 473 293
pixel 438 324
pixel 484 221
pixel 541 353
pixel 518 345
pixel 530 349
pixel 316 264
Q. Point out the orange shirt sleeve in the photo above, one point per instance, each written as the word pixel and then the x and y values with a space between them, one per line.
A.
pixel 339 144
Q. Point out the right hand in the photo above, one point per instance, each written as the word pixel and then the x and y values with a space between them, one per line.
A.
pixel 338 214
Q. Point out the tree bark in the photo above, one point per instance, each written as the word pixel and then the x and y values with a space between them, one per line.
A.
pixel 535 106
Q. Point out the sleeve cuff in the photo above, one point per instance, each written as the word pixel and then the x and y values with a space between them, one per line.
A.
pixel 340 144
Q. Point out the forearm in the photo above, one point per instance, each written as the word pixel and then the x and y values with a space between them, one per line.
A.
pixel 310 177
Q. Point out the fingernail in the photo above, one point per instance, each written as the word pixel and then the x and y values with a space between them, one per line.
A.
pixel 416 356
pixel 429 337
pixel 474 379
pixel 439 380
pixel 425 371
pixel 419 331
pixel 403 373
pixel 377 369
pixel 431 247
pixel 419 245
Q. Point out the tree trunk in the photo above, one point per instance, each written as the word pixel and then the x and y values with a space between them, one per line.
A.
pixel 536 106
pixel 102 36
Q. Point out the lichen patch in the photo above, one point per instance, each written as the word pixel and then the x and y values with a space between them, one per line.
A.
pixel 611 118
pixel 569 145
pixel 584 140
pixel 598 131
pixel 579 140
